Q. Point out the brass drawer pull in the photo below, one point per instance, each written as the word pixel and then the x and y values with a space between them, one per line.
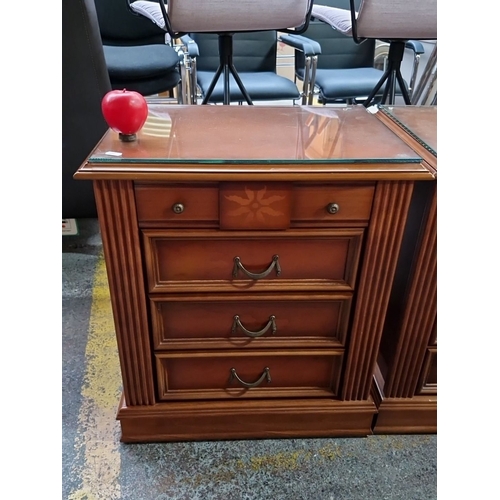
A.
pixel 266 375
pixel 257 276
pixel 270 324
pixel 178 208
pixel 332 208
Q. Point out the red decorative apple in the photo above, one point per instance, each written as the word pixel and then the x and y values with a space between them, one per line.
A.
pixel 125 111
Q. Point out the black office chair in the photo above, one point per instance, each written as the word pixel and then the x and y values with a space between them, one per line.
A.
pixel 396 22
pixel 342 71
pixel 137 55
pixel 254 58
pixel 226 19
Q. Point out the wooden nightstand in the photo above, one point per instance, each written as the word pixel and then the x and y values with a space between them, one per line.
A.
pixel 406 376
pixel 251 252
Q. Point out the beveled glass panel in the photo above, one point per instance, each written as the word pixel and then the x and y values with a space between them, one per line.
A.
pixel 419 121
pixel 217 134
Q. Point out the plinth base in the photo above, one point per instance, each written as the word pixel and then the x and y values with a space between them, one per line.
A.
pixel 249 419
pixel 416 415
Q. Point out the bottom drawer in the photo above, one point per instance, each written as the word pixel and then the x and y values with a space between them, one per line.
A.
pixel 256 374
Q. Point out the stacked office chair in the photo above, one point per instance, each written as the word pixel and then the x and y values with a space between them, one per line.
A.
pixel 333 67
pixel 85 81
pixel 393 21
pixel 225 19
pixel 137 55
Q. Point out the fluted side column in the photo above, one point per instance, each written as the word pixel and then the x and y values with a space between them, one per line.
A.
pixel 419 316
pixel 389 213
pixel 121 243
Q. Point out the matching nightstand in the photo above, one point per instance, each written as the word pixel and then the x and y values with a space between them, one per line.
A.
pixel 406 376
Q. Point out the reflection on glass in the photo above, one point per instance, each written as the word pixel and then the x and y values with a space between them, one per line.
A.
pixel 323 133
pixel 158 123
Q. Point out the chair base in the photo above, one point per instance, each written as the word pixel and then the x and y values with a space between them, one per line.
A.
pixel 227 68
pixel 391 75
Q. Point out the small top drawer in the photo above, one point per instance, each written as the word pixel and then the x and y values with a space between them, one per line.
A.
pixel 331 204
pixel 176 205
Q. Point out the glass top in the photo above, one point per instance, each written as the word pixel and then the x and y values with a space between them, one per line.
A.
pixel 419 121
pixel 256 135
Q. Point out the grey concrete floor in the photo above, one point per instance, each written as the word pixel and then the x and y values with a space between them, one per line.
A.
pixel 96 466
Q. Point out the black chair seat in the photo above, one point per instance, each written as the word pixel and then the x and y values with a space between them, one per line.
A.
pixel 264 85
pixel 140 61
pixel 147 69
pixel 149 86
pixel 348 83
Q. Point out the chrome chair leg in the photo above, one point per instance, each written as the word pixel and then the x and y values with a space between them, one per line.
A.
pixel 314 65
pixel 305 83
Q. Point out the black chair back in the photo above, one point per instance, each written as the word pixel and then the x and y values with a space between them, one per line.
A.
pixel 119 25
pixel 338 51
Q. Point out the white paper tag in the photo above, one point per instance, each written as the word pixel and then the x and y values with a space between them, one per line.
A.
pixel 69 227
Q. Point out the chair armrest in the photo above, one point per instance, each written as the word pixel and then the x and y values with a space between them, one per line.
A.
pixel 188 50
pixel 190 45
pixel 311 50
pixel 416 46
pixel 306 45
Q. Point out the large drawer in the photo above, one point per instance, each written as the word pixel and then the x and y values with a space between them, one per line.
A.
pixel 248 374
pixel 249 321
pixel 244 261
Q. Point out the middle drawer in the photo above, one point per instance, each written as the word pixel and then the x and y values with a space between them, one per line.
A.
pixel 249 261
pixel 250 321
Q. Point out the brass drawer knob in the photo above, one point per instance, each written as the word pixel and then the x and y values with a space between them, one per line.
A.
pixel 178 208
pixel 332 208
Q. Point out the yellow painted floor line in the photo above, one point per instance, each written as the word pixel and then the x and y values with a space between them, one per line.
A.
pixel 98 435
